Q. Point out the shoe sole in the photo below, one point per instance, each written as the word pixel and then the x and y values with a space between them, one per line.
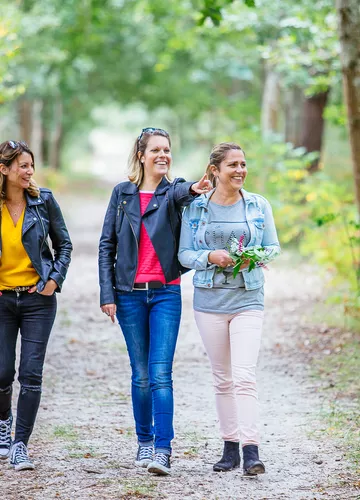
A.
pixel 4 457
pixel 158 469
pixel 24 466
pixel 254 471
pixel 142 463
pixel 226 470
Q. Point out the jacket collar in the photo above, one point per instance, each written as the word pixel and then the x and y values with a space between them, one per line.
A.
pixel 203 200
pixel 131 188
pixel 33 200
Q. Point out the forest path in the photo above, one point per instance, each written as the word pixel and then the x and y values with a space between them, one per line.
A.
pixel 84 443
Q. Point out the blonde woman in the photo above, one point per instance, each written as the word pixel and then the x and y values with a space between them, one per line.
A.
pixel 29 278
pixel 228 310
pixel 140 284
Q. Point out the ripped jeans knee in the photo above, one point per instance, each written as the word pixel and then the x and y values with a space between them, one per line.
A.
pixel 7 390
pixel 24 388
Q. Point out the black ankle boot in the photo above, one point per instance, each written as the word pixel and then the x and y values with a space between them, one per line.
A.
pixel 252 465
pixel 230 458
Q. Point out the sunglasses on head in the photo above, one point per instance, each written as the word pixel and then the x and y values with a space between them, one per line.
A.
pixel 151 130
pixel 15 144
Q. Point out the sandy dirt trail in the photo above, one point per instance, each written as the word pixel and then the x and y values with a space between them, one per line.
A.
pixel 84 444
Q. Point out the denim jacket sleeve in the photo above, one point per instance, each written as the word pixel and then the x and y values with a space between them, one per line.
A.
pixel 107 253
pixel 60 240
pixel 270 239
pixel 189 256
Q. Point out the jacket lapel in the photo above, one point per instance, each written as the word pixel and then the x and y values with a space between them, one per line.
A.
pixel 130 204
pixel 30 216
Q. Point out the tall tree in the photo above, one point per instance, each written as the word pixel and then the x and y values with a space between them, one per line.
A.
pixel 349 31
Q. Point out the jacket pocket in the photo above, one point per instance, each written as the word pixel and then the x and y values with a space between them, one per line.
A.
pixel 259 222
pixel 194 224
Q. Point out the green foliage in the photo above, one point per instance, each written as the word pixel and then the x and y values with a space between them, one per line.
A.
pixel 213 10
pixel 339 374
pixel 314 212
pixel 10 45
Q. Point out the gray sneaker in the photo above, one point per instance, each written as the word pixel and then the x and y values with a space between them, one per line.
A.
pixel 5 437
pixel 19 457
pixel 144 456
pixel 160 465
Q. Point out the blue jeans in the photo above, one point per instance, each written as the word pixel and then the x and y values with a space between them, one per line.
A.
pixel 150 322
pixel 33 315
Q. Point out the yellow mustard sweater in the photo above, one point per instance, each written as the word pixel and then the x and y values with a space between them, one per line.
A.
pixel 16 268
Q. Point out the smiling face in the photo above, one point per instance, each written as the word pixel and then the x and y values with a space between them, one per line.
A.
pixel 20 171
pixel 156 159
pixel 232 171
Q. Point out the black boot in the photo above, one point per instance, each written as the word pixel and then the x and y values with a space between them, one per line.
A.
pixel 252 465
pixel 230 458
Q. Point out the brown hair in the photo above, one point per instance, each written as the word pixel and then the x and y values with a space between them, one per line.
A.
pixel 9 151
pixel 218 155
pixel 136 168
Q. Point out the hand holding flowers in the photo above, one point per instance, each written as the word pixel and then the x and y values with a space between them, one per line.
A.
pixel 250 257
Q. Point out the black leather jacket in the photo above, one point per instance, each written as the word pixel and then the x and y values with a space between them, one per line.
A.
pixel 43 218
pixel 119 242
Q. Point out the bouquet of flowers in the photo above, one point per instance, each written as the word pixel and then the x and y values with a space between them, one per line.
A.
pixel 256 256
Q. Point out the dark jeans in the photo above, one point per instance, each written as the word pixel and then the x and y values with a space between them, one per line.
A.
pixel 32 314
pixel 150 322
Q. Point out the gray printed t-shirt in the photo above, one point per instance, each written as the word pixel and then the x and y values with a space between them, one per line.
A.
pixel 228 295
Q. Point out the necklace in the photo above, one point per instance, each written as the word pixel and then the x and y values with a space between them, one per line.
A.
pixel 15 212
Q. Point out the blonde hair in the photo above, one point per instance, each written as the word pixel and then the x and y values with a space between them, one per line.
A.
pixel 136 168
pixel 218 155
pixel 9 151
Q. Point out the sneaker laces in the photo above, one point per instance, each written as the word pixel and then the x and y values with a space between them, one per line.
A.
pixel 145 452
pixel 20 453
pixel 5 432
pixel 162 459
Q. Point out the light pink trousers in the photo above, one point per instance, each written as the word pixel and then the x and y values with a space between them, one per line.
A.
pixel 232 342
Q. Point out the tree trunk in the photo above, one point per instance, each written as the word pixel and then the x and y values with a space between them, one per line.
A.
pixel 25 119
pixel 349 31
pixel 37 137
pixel 313 125
pixel 294 102
pixel 57 135
pixel 46 120
pixel 270 105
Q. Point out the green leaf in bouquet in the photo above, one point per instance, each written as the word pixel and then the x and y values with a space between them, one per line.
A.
pixel 259 252
pixel 237 268
pixel 251 265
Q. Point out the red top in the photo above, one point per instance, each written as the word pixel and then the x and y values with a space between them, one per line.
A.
pixel 149 268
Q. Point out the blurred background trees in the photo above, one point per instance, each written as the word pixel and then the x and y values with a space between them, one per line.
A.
pixel 78 79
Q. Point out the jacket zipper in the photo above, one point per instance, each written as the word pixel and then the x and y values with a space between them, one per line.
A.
pixel 137 245
pixel 172 228
pixel 43 228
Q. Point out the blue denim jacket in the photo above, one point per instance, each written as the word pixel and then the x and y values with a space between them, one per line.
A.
pixel 193 250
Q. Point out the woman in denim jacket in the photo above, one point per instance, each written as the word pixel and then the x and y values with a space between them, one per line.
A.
pixel 229 311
